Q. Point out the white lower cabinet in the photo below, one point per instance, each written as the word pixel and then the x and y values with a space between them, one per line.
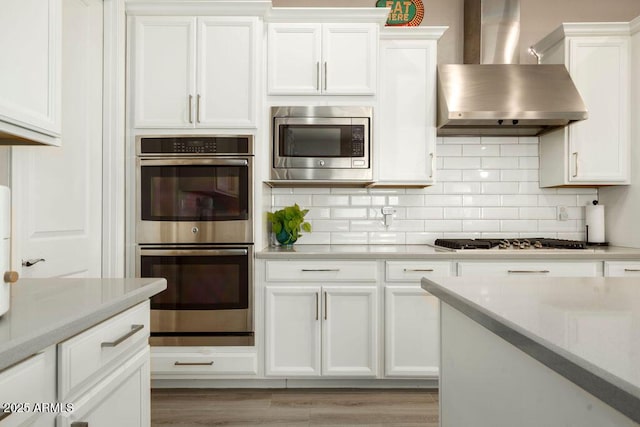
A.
pixel 317 330
pixel 531 268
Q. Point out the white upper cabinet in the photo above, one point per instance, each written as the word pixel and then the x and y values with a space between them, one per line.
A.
pixel 316 59
pixel 194 71
pixel 30 32
pixel 406 139
pixel 594 151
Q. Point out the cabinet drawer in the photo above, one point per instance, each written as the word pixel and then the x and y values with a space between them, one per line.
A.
pixel 214 364
pixel 622 268
pixel 542 268
pixel 82 356
pixel 413 271
pixel 25 384
pixel 322 271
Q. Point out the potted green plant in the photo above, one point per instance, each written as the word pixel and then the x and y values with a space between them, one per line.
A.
pixel 288 223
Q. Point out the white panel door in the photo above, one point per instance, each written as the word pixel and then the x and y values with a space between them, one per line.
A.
pixel 407 138
pixel 349 331
pixel 599 145
pixel 57 191
pixel 292 330
pixel 226 72
pixel 164 81
pixel 412 332
pixel 349 53
pixel 294 59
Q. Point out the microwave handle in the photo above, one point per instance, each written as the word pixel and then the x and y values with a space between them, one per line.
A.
pixel 193 252
pixel 191 161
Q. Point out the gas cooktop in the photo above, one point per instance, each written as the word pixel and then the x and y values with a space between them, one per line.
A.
pixel 524 244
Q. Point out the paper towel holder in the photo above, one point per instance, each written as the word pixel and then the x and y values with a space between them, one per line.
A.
pixel 595 202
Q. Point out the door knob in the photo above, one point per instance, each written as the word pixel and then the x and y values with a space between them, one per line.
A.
pixel 30 262
pixel 11 276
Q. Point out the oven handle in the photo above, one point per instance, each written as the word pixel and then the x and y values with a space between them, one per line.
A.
pixel 196 252
pixel 192 161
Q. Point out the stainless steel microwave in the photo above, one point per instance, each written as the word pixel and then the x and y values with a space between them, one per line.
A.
pixel 322 143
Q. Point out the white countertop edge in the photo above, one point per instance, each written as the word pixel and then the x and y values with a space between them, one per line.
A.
pixel 16 350
pixel 614 391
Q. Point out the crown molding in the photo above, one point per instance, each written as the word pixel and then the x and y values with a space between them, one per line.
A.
pixel 198 7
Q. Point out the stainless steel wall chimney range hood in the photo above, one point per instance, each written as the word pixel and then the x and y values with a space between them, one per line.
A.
pixel 491 94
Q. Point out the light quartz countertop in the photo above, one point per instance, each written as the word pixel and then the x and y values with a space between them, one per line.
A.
pixel 44 312
pixel 585 329
pixel 430 252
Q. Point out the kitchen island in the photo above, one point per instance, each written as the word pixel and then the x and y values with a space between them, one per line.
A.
pixel 532 351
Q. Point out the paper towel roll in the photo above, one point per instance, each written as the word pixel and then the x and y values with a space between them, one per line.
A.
pixel 594 219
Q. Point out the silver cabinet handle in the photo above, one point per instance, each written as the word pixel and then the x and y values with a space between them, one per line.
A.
pixel 317 304
pixel 528 271
pixel 575 171
pixel 433 157
pixel 190 108
pixel 5 415
pixel 326 305
pixel 198 108
pixel 320 269
pixel 30 262
pixel 176 363
pixel 318 76
pixel 631 270
pixel 134 329
pixel 193 252
pixel 80 424
pixel 325 75
pixel 419 269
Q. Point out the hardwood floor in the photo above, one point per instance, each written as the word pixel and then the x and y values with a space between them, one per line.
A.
pixel 293 407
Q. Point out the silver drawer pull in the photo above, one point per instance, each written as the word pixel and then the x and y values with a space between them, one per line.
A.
pixel 631 270
pixel 134 329
pixel 5 415
pixel 528 271
pixel 320 269
pixel 193 363
pixel 419 269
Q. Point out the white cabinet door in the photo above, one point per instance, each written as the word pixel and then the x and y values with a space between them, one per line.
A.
pixel 226 72
pixel 30 32
pixel 294 58
pixel 407 125
pixel 163 58
pixel 122 399
pixel 331 59
pixel 412 332
pixel 292 330
pixel 599 146
pixel 349 59
pixel 349 331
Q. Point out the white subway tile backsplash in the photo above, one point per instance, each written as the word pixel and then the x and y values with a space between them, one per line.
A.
pixel 499 162
pixel 322 200
pixel 481 150
pixel 462 187
pixel 349 213
pixel 351 238
pixel 481 175
pixel 462 213
pixel 425 213
pixel 519 150
pixel 461 162
pixel 500 213
pixel 486 187
pixel 481 200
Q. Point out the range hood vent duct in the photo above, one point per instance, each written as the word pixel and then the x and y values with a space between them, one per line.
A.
pixel 491 94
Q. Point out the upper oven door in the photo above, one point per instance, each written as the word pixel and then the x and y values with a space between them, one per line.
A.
pixel 189 200
pixel 317 143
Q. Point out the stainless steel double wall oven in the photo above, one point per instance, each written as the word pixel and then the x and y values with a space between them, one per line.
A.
pixel 194 219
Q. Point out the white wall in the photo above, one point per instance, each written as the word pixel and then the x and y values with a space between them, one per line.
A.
pixel 487 187
pixel 623 203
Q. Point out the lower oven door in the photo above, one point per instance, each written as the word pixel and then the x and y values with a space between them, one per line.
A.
pixel 209 293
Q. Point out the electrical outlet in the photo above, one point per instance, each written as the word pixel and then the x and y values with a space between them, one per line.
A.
pixel 563 215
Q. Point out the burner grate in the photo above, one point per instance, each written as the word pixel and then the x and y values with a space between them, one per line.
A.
pixel 530 243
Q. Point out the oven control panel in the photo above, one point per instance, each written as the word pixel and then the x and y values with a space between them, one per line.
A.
pixel 189 145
